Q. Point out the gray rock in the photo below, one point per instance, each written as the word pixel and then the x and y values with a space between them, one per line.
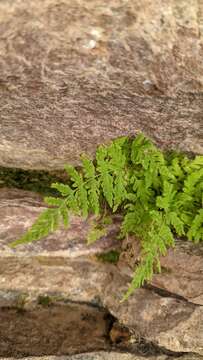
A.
pixel 77 74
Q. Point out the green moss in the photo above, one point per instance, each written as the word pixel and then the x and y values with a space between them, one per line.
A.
pixel 44 300
pixel 110 257
pixel 33 180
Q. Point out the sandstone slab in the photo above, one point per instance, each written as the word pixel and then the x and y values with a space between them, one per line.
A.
pixel 77 74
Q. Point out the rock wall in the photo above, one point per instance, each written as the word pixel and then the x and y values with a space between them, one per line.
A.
pixel 61 278
pixel 74 74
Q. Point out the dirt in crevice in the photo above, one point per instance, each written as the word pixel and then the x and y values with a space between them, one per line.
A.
pixel 125 340
pixel 54 330
pixel 67 329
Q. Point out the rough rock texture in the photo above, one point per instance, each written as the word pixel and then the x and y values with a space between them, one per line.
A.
pixel 168 322
pixel 109 356
pixel 182 269
pixel 18 211
pixel 77 73
pixel 71 276
pixel 50 264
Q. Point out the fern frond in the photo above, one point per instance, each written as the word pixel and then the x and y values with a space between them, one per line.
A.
pixel 119 190
pixel 92 184
pixel 196 164
pixel 195 232
pixel 106 178
pixel 53 201
pixel 95 234
pixel 166 200
pixel 157 194
pixel 154 244
pixel 143 273
pixel 176 168
pixel 64 212
pixel 47 222
pixel 63 189
pixel 80 189
pixel 176 221
pixel 66 191
pixel 192 180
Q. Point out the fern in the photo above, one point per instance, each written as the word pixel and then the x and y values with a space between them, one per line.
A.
pixel 159 195
pixel 78 183
pixel 93 184
pixel 47 222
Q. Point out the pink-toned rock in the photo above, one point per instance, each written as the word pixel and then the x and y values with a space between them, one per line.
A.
pixel 19 210
pixel 183 272
pixel 61 263
pixel 182 269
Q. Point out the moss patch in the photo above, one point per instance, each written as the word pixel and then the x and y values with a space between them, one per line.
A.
pixel 44 300
pixel 110 257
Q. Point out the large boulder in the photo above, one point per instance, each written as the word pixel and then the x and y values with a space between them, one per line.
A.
pixel 75 74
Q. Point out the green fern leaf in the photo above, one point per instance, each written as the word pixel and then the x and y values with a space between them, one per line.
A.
pixel 64 212
pixel 177 223
pixel 69 193
pixel 166 200
pixel 95 234
pixel 53 201
pixel 62 188
pixel 80 189
pixel 47 222
pixel 93 184
pixel 119 190
pixel 176 168
pixel 106 178
pixel 195 232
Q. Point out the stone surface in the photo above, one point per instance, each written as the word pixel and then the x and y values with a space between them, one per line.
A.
pixel 76 74
pixel 167 321
pixel 110 356
pixel 19 210
pixel 182 269
pixel 72 276
pixel 62 329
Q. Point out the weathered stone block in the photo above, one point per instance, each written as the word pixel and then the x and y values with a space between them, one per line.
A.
pixel 75 74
